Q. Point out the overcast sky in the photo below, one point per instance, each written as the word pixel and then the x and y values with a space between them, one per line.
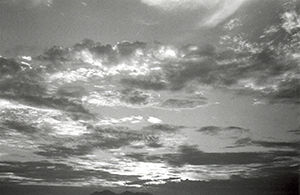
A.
pixel 149 95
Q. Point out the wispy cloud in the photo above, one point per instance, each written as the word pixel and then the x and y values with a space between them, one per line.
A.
pixel 213 12
pixel 30 3
pixel 224 10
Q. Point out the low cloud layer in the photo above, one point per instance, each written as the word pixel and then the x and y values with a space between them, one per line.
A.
pixel 109 152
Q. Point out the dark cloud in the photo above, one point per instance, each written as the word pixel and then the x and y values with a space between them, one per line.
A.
pixel 289 92
pixel 153 133
pixel 144 157
pixel 74 108
pixel 106 137
pixel 201 70
pixel 163 127
pixel 43 171
pixel 295 131
pixel 210 129
pixel 132 96
pixel 25 84
pixel 242 142
pixel 147 83
pixel 71 91
pixel 267 144
pixel 191 155
pixel 20 126
pixel 56 54
pixel 182 103
pixel 57 151
pixel 154 144
pixel 24 119
pixel 214 130
pixel 10 66
pixel 62 104
pixel 29 85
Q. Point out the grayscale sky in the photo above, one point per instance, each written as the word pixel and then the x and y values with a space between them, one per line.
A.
pixel 149 95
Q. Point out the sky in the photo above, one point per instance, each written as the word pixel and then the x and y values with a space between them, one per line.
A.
pixel 160 96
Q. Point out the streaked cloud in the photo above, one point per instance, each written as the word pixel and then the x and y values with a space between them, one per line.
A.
pixel 106 151
pixel 215 11
pixel 224 10
pixel 30 3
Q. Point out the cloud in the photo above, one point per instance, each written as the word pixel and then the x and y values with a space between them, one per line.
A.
pixel 163 127
pixel 130 119
pixel 30 3
pixel 94 152
pixel 215 129
pixel 76 80
pixel 191 155
pixel 241 137
pixel 174 4
pixel 10 66
pixel 224 10
pixel 142 71
pixel 182 103
pixel 189 163
pixel 297 132
pixel 200 70
pixel 135 97
pixel 55 53
pixel 152 84
pixel 90 139
pixel 48 173
pixel 126 48
pixel 154 120
pixel 232 132
pixel 185 4
pixel 215 11
pixel 294 145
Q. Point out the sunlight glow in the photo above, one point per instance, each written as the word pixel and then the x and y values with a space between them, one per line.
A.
pixel 154 120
